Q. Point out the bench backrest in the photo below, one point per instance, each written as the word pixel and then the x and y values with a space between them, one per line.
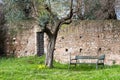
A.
pixel 101 57
pixel 81 57
pixel 85 57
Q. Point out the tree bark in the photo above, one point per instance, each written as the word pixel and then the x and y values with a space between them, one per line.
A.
pixel 50 52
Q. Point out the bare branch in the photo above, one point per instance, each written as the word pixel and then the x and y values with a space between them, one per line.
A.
pixel 49 10
pixel 67 22
pixel 48 32
pixel 63 20
pixel 58 24
pixel 70 15
pixel 35 9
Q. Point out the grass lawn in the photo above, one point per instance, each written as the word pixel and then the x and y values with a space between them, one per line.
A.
pixel 29 68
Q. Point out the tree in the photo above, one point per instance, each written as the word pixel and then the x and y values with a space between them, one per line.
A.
pixel 43 11
pixel 110 8
pixel 50 24
pixel 1 12
pixel 49 19
pixel 96 9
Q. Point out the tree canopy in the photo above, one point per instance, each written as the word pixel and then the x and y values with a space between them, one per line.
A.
pixel 88 9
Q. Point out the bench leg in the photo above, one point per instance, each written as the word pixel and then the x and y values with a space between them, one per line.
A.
pixel 103 65
pixel 69 66
pixel 75 65
pixel 96 66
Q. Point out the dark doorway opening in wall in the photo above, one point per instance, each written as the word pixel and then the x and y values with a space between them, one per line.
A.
pixel 3 46
pixel 2 53
pixel 40 43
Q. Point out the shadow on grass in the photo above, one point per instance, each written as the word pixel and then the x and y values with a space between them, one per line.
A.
pixel 81 67
pixel 84 67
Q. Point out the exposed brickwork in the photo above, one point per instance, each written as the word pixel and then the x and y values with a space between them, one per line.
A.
pixel 23 43
pixel 85 38
pixel 90 38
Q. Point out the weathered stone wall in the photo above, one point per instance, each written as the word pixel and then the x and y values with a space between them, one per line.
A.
pixel 89 38
pixel 21 40
pixel 80 38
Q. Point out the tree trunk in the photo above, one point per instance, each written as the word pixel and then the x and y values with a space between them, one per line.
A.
pixel 50 52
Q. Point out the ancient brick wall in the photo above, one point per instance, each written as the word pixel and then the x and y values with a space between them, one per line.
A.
pixel 89 38
pixel 21 40
pixel 80 38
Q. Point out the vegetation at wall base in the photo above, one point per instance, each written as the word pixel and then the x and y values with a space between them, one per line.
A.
pixel 32 68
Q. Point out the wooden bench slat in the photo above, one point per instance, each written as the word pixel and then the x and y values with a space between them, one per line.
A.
pixel 86 57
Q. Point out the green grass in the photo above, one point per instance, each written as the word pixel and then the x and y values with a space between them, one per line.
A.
pixel 26 68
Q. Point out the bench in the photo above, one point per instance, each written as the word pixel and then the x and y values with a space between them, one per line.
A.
pixel 99 60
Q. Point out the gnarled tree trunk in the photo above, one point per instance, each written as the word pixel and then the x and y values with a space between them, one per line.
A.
pixel 50 52
pixel 53 32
